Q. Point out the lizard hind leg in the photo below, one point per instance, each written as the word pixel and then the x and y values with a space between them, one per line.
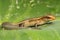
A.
pixel 21 25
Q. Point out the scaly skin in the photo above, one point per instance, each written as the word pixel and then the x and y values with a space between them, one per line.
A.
pixel 29 22
pixel 36 21
pixel 9 26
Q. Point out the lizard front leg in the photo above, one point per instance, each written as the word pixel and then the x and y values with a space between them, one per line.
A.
pixel 36 26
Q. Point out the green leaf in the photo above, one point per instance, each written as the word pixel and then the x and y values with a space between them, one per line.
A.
pixel 17 10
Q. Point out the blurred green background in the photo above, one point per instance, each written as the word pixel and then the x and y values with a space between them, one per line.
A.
pixel 17 10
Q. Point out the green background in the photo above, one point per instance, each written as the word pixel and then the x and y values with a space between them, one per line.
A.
pixel 17 10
